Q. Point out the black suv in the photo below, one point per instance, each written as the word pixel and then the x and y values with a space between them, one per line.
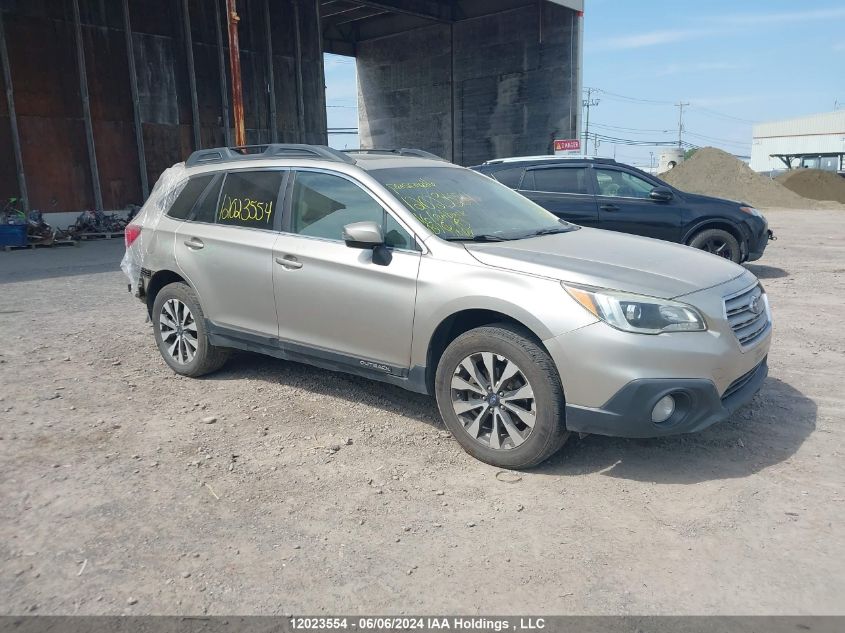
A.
pixel 602 193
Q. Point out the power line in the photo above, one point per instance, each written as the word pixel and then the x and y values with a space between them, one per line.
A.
pixel 630 129
pixel 616 95
pixel 718 140
pixel 722 115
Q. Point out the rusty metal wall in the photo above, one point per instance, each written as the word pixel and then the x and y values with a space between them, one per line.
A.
pixel 42 52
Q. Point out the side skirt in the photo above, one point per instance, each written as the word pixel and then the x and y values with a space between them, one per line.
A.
pixel 412 380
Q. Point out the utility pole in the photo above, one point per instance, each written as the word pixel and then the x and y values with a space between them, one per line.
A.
pixel 588 103
pixel 232 20
pixel 681 107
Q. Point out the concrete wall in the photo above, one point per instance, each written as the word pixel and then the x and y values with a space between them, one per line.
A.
pixel 41 45
pixel 486 87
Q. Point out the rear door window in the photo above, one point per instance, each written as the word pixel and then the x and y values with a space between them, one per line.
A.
pixel 249 199
pixel 184 204
pixel 558 180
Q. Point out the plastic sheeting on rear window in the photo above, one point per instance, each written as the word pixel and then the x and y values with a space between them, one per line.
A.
pixel 166 190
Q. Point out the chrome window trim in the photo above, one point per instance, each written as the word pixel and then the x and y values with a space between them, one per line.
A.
pixel 555 193
pixel 388 208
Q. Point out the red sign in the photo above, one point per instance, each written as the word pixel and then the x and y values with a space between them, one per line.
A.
pixel 568 145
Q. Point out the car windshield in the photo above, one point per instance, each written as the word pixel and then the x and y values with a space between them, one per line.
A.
pixel 459 204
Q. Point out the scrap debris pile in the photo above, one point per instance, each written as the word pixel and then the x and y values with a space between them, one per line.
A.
pixel 712 172
pixel 20 229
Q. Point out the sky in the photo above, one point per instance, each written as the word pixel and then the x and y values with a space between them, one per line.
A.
pixel 734 62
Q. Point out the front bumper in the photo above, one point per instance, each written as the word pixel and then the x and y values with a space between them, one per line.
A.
pixel 758 246
pixel 628 413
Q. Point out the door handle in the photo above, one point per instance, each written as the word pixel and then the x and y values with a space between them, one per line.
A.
pixel 290 262
pixel 194 243
pixel 609 207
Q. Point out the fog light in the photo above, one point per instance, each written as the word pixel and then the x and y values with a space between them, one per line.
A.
pixel 663 410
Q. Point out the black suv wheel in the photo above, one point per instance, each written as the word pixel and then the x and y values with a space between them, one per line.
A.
pixel 719 243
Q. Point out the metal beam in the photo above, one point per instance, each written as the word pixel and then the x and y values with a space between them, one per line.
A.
pixel 348 18
pixel 274 126
pixel 428 9
pixel 10 100
pixel 86 108
pixel 192 77
pixel 221 59
pixel 136 108
pixel 322 67
pixel 232 20
pixel 334 12
pixel 300 97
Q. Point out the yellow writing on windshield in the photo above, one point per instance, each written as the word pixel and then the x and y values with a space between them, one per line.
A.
pixel 446 222
pixel 422 183
pixel 442 212
pixel 244 210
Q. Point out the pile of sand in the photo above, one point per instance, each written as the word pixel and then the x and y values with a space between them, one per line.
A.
pixel 815 184
pixel 712 172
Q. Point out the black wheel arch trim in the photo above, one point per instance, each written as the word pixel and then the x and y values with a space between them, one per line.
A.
pixel 737 230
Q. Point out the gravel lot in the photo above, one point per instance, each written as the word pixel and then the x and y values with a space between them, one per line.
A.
pixel 315 492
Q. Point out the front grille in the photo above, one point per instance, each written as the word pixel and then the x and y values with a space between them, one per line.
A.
pixel 740 382
pixel 746 312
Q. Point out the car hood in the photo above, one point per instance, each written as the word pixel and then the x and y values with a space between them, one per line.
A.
pixel 611 260
pixel 702 199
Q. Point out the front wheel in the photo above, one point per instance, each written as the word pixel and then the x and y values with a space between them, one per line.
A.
pixel 499 394
pixel 718 242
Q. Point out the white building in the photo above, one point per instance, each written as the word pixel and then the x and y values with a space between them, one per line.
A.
pixel 816 141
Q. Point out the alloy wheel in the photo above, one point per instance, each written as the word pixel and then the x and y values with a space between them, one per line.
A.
pixel 178 331
pixel 493 400
pixel 717 247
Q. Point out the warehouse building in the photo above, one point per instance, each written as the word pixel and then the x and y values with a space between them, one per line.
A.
pixel 100 96
pixel 816 142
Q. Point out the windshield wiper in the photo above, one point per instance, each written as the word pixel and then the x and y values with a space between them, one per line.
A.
pixel 478 238
pixel 551 231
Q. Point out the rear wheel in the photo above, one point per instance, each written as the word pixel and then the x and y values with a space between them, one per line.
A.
pixel 718 242
pixel 500 395
pixel 179 326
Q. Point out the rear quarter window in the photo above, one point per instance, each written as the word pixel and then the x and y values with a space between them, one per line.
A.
pixel 509 177
pixel 184 203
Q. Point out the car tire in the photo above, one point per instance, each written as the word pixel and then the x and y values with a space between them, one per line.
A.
pixel 500 434
pixel 718 242
pixel 180 332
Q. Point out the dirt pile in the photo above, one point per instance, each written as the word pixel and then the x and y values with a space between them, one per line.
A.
pixel 712 172
pixel 815 184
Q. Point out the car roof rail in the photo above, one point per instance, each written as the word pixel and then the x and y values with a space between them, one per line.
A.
pixel 272 150
pixel 403 151
pixel 547 157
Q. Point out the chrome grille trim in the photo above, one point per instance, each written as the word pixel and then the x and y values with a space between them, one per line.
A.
pixel 748 326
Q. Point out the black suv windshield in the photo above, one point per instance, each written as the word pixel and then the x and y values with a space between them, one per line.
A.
pixel 459 204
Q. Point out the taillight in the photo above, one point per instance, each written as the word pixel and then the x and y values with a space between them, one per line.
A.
pixel 131 233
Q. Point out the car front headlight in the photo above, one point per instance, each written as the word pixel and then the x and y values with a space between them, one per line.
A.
pixel 637 313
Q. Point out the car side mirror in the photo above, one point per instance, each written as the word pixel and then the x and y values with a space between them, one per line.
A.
pixel 661 194
pixel 363 235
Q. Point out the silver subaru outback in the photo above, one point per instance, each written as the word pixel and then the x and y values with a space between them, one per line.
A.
pixel 403 268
